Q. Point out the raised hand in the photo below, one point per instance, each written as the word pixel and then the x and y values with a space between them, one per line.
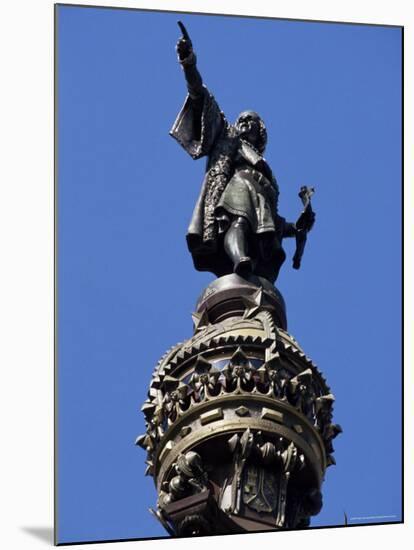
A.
pixel 184 45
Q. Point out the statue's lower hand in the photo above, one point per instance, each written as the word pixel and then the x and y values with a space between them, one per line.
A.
pixel 308 220
pixel 305 221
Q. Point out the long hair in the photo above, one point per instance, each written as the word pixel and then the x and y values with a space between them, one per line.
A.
pixel 261 145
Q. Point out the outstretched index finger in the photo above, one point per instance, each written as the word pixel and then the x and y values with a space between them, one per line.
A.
pixel 184 32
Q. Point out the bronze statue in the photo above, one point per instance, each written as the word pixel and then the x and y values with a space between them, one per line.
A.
pixel 235 225
pixel 238 419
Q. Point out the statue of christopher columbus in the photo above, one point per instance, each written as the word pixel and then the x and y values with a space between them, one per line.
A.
pixel 235 226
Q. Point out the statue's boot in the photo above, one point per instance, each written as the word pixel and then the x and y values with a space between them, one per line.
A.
pixel 243 267
pixel 235 245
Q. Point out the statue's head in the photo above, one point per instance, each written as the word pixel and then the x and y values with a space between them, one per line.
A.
pixel 251 127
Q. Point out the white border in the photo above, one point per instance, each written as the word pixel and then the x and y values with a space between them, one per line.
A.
pixel 26 289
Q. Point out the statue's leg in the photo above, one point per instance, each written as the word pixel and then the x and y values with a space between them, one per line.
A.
pixel 235 245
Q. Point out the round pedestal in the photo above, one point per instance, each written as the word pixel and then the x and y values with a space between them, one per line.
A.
pixel 239 419
pixel 228 296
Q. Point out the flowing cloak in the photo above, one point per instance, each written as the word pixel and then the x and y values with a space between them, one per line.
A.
pixel 238 182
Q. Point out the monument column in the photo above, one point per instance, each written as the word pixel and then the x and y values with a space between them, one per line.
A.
pixel 238 419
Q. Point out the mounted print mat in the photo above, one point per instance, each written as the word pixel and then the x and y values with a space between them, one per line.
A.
pixel 228 231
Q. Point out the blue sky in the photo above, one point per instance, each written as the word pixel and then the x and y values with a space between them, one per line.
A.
pixel 330 95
